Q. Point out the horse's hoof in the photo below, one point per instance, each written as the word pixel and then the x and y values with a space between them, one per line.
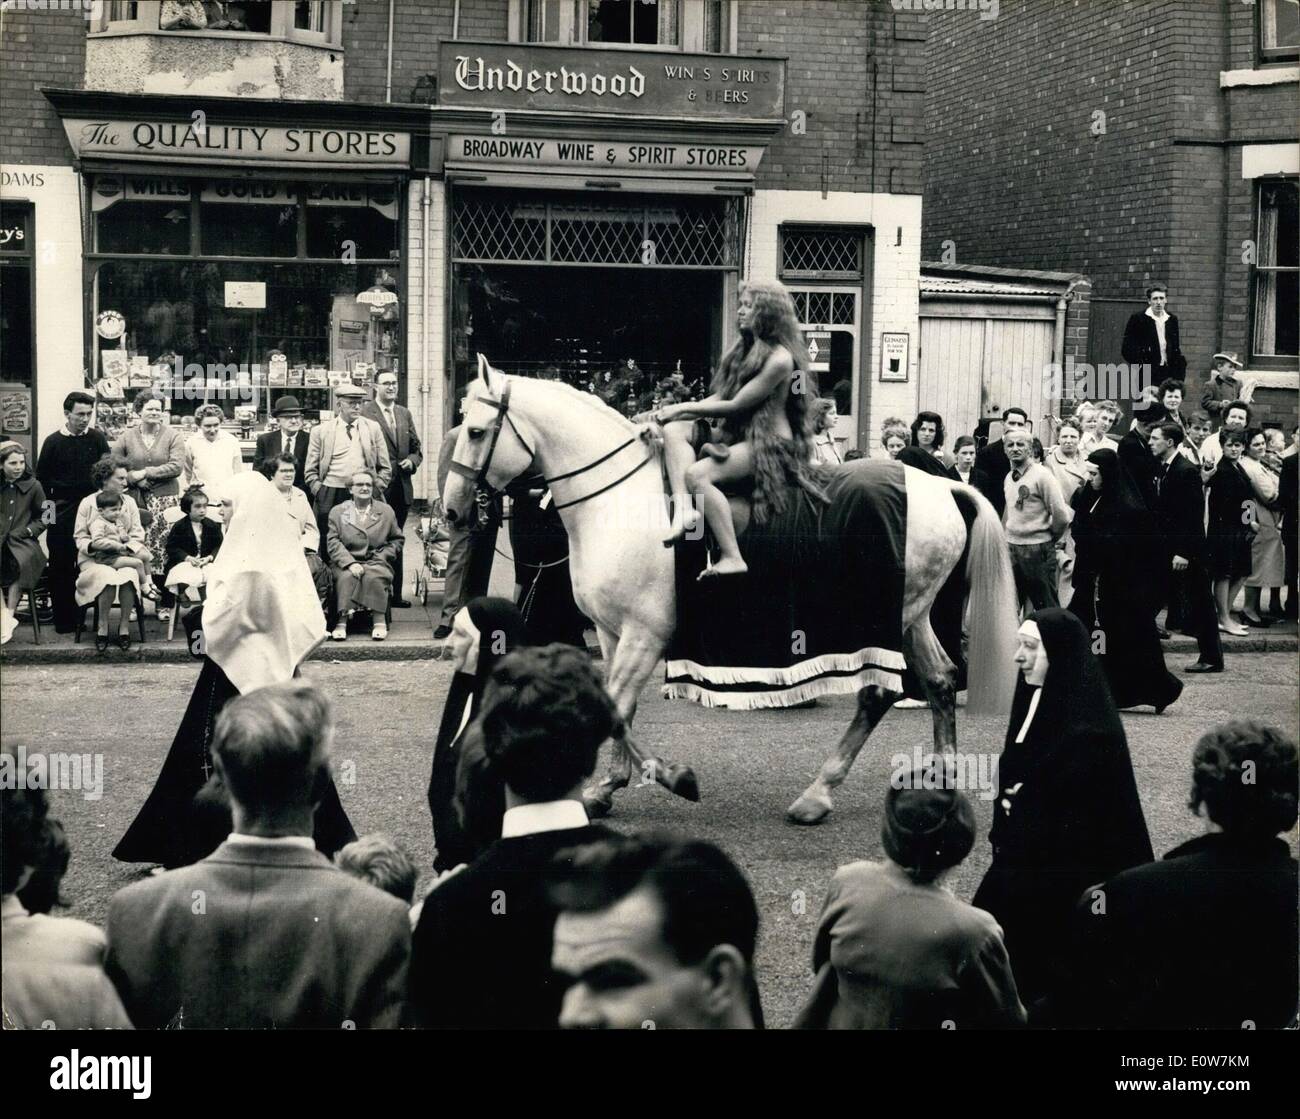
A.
pixel 680 780
pixel 808 810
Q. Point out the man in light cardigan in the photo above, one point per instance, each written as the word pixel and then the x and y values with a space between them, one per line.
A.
pixel 1035 518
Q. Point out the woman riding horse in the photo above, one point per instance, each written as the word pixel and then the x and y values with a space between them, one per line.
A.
pixel 761 393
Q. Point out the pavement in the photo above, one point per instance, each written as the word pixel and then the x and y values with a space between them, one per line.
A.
pixel 410 637
pixel 750 765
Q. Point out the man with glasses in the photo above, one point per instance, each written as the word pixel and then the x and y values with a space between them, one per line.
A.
pixel 1035 518
pixel 337 450
pixel 403 447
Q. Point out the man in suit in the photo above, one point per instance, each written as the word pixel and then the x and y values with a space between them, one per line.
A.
pixel 290 439
pixel 345 445
pixel 265 933
pixel 655 932
pixel 1151 339
pixel 1180 518
pixel 403 447
pixel 992 459
pixel 481 953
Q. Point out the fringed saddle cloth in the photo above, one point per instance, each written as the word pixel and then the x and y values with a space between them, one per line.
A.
pixel 820 610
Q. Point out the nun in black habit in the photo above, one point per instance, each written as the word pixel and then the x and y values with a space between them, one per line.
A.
pixel 1116 555
pixel 261 620
pixel 483 632
pixel 1067 814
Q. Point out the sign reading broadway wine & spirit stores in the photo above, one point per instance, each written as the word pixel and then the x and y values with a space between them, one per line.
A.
pixel 644 83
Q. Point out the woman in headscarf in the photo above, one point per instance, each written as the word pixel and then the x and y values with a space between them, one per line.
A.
pixel 22 500
pixel 1115 558
pixel 483 632
pixel 260 622
pixel 1067 813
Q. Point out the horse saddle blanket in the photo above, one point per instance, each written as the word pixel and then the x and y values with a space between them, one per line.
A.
pixel 820 610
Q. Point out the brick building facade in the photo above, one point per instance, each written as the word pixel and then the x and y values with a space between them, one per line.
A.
pixel 828 200
pixel 1131 142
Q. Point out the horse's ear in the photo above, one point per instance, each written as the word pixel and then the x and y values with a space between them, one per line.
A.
pixel 490 377
pixel 483 369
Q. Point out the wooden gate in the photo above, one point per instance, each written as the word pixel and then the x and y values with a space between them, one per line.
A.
pixel 977 360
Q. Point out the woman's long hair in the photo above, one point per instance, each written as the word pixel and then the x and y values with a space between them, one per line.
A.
pixel 773 323
pixel 933 418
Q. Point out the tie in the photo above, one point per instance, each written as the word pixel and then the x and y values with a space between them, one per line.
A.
pixel 1160 477
pixel 350 426
pixel 288 443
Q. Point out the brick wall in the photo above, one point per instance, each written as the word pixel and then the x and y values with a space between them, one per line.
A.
pixel 417 27
pixel 37 48
pixel 839 54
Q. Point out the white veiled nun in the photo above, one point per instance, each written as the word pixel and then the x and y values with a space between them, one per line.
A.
pixel 262 617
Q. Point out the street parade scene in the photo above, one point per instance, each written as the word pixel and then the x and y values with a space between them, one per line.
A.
pixel 650 514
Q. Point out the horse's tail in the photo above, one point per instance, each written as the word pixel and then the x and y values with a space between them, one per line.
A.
pixel 991 597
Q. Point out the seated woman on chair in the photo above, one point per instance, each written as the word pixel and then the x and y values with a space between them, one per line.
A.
pixel 192 545
pixel 363 542
pixel 761 392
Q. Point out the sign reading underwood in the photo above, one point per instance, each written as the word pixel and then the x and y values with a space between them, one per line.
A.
pixel 645 83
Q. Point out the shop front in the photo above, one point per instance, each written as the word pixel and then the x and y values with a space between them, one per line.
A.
pixel 597 231
pixel 231 261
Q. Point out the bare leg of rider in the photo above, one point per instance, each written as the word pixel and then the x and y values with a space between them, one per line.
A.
pixel 679 454
pixel 703 478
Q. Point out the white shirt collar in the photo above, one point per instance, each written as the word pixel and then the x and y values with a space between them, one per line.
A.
pixel 1160 317
pixel 551 815
pixel 304 841
pixel 74 434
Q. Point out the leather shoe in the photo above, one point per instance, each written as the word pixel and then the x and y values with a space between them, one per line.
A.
pixel 1201 666
pixel 441 632
pixel 401 604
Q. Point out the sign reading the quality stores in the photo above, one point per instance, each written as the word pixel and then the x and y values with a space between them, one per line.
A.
pixel 649 83
pixel 523 153
pixel 203 141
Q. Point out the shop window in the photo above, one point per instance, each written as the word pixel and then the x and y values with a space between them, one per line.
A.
pixel 264 225
pixel 544 21
pixel 717 25
pixel 1279 30
pixel 237 332
pixel 141 215
pixel 577 229
pixel 17 323
pixel 1277 271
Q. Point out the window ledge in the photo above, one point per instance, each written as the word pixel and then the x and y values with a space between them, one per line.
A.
pixel 1270 75
pixel 190 33
pixel 1271 378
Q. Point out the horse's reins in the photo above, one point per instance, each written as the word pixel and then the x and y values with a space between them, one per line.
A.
pixel 479 476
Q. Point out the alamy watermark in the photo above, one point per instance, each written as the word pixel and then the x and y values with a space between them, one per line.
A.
pixel 83 773
pixel 91 9
pixel 1082 381
pixel 972 773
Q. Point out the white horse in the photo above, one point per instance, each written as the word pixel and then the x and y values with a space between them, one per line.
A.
pixel 606 484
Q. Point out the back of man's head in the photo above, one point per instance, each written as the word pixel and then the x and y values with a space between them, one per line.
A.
pixel 545 713
pixel 271 747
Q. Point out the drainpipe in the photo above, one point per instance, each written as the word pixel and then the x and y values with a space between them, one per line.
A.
pixel 1058 353
pixel 426 329
pixel 388 80
pixel 455 21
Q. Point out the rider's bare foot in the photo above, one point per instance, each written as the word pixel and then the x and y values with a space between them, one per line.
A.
pixel 725 566
pixel 685 519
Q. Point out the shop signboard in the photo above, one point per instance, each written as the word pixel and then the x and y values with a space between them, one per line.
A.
pixel 212 142
pixel 246 295
pixel 644 83
pixel 518 153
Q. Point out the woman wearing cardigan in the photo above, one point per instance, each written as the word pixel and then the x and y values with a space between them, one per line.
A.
pixel 363 542
pixel 154 454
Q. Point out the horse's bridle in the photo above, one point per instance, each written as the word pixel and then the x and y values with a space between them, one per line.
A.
pixel 486 491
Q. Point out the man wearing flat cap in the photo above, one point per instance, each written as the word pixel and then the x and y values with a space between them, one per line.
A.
pixel 289 439
pixel 340 448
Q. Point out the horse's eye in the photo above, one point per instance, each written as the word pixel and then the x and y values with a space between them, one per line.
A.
pixel 475 433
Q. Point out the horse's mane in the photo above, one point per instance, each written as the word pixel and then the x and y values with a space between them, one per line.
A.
pixel 586 399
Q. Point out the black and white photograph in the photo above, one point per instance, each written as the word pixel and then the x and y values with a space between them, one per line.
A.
pixel 546 515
